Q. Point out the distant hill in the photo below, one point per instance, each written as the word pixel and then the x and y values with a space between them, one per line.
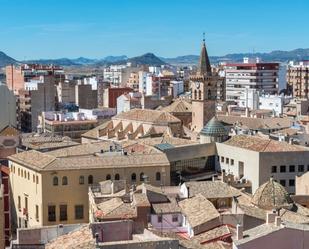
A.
pixel 113 59
pixel 83 61
pixel 6 60
pixel 60 62
pixel 151 59
pixel 147 59
pixel 279 56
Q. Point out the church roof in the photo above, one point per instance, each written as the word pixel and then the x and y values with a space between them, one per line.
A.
pixel 150 116
pixel 179 105
pixel 204 63
pixel 271 195
pixel 214 128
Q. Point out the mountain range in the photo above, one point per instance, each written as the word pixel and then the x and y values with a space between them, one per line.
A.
pixel 151 59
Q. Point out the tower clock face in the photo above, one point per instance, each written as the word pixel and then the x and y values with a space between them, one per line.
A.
pixel 197 84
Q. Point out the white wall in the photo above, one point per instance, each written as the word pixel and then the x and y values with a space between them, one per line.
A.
pixel 167 222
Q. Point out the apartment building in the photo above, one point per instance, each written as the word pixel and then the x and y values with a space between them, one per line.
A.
pixel 17 76
pixel 263 77
pixel 71 124
pixel 298 79
pixel 7 100
pixel 31 103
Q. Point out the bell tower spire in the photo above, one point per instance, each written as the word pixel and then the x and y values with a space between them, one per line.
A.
pixel 204 68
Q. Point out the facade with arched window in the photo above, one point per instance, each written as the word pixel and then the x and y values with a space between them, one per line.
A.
pixel 64 182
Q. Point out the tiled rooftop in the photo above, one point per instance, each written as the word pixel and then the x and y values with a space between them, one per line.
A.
pixel 261 145
pixel 211 189
pixel 43 161
pixel 198 210
pixel 79 239
pixel 149 116
pixel 179 105
pixel 256 123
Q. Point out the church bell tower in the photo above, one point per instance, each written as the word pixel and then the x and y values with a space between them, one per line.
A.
pixel 204 92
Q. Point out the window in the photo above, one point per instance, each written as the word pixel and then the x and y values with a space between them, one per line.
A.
pixel 90 179
pixel 232 161
pixel 175 218
pixel 64 180
pixel 273 169
pixel 227 160
pixel 133 177
pixel 81 180
pixel 282 182
pixel 282 168
pixel 26 203
pixel 291 182
pixel 52 213
pixel 37 180
pixel 141 177
pixel 108 177
pixel 158 176
pixel 63 212
pixel 292 168
pixel 28 176
pixel 19 203
pixel 117 177
pixel 33 178
pixel 18 172
pixel 79 212
pixel 222 159
pixel 37 212
pixel 300 168
pixel 55 181
pixel 159 218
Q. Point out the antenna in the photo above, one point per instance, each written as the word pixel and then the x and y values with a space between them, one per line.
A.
pixel 203 36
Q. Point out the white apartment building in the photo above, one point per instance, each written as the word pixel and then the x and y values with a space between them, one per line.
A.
pixel 254 100
pixel 177 88
pixel 263 77
pixel 113 74
pixel 142 77
pixel 91 81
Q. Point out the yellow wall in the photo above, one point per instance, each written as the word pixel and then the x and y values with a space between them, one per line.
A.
pixel 45 193
pixel 23 186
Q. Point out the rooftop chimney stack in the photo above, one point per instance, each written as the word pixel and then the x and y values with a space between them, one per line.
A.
pixel 239 232
pixel 270 217
pixel 278 221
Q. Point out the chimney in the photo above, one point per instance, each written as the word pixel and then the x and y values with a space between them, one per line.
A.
pixel 239 232
pixel 144 190
pixel 270 217
pixel 278 221
pixel 188 189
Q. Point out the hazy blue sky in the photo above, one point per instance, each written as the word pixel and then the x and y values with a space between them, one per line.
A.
pixel 96 28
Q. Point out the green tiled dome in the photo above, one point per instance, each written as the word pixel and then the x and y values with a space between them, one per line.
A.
pixel 214 128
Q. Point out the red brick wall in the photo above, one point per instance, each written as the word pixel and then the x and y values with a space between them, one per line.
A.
pixel 114 93
pixel 14 78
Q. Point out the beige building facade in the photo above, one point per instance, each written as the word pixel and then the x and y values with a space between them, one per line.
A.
pixel 52 188
pixel 298 79
pixel 257 160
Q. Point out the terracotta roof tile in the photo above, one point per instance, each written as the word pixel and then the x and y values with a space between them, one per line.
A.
pixel 261 145
pixel 198 210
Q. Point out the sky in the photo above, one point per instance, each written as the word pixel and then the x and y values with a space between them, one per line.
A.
pixel 33 29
